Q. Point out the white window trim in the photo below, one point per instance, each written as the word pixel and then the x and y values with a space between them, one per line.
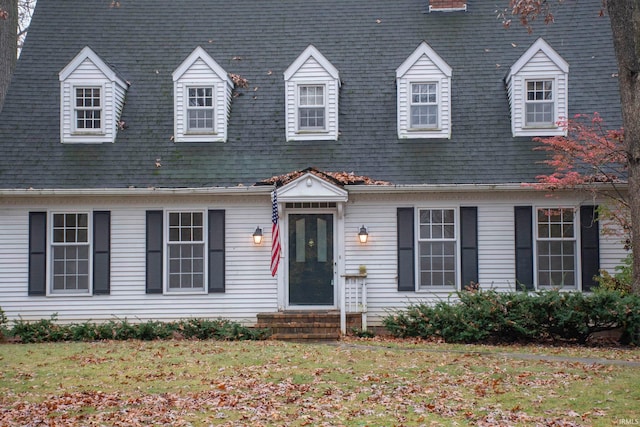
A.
pixel 438 104
pixel 165 261
pixel 185 90
pixel 458 266
pixel 577 264
pixel 554 94
pixel 103 112
pixel 50 245
pixel 312 131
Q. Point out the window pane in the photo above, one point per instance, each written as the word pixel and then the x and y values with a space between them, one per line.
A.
pixel 556 248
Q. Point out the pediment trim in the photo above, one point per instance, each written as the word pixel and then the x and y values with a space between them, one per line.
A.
pixel 310 188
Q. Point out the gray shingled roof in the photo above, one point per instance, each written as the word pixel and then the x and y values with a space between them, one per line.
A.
pixel 145 40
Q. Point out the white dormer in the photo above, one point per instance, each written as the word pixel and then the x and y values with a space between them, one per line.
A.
pixel 538 92
pixel 202 99
pixel 424 95
pixel 91 100
pixel 311 98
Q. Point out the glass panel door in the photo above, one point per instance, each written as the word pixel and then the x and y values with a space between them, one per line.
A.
pixel 311 259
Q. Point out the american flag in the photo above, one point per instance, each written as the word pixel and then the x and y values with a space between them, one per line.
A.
pixel 275 235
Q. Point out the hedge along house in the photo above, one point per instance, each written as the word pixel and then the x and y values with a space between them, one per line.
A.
pixel 142 142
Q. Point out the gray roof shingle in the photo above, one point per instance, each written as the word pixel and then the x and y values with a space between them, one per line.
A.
pixel 145 40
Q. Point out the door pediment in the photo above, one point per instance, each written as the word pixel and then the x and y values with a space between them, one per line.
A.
pixel 310 188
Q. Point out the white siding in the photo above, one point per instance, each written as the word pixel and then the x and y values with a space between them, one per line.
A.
pixel 250 288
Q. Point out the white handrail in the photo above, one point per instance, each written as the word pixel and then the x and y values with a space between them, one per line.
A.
pixel 353 299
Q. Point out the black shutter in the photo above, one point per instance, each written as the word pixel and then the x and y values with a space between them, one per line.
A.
pixel 101 252
pixel 469 244
pixel 216 251
pixel 154 252
pixel 37 253
pixel 524 247
pixel 406 250
pixel 590 246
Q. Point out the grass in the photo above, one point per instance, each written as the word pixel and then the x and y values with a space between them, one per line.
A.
pixel 357 383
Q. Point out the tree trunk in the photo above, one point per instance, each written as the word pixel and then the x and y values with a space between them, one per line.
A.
pixel 8 45
pixel 625 24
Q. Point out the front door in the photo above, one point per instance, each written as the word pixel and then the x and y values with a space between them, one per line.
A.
pixel 311 259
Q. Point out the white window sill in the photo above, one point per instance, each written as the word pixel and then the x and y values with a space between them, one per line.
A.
pixel 175 292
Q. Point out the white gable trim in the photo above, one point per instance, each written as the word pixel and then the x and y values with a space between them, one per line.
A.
pixel 543 46
pixel 88 70
pixel 539 63
pixel 310 188
pixel 200 53
pixel 199 69
pixel 87 53
pixel 312 52
pixel 311 68
pixel 423 66
pixel 423 49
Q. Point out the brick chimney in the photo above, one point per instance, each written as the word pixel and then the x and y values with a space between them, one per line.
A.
pixel 447 5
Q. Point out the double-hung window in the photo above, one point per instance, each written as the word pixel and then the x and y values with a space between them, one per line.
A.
pixel 424 105
pixel 186 251
pixel 311 107
pixel 70 251
pixel 556 248
pixel 200 110
pixel 437 247
pixel 539 104
pixel 88 109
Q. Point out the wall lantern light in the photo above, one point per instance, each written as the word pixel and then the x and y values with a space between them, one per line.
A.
pixel 257 236
pixel 363 235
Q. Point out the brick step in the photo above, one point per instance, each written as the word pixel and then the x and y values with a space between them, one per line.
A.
pixel 302 329
pixel 306 325
pixel 306 337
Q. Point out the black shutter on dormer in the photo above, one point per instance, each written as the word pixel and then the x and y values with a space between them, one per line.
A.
pixel 406 250
pixel 590 246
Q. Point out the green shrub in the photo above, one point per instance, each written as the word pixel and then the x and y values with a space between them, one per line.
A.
pixel 621 281
pixel 480 316
pixel 48 330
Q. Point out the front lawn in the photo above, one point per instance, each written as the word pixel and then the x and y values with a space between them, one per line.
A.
pixel 353 383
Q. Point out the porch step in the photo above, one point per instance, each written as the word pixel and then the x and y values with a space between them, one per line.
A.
pixel 306 325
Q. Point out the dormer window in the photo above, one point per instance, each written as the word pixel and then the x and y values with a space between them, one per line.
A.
pixel 202 99
pixel 539 103
pixel 538 92
pixel 92 98
pixel 311 108
pixel 424 95
pixel 200 110
pixel 424 105
pixel 88 109
pixel 312 84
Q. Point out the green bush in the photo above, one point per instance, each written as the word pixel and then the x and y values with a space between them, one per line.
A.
pixel 621 281
pixel 3 324
pixel 489 316
pixel 48 330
